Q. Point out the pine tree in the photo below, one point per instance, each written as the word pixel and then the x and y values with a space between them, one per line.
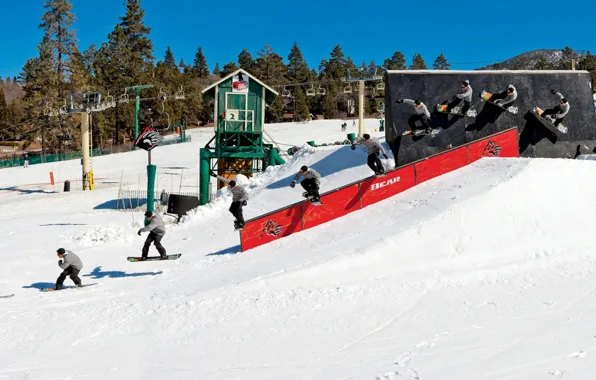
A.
pixel 441 63
pixel 169 60
pixel 330 104
pixel 335 68
pixel 80 76
pixel 275 112
pixel 181 64
pixel 396 62
pixel 301 111
pixel 269 67
pixel 200 67
pixel 297 68
pixel 418 63
pixel 216 69
pixel 228 69
pixel 56 24
pixel 4 114
pixel 246 61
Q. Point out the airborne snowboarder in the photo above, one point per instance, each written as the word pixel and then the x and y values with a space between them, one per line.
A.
pixel 239 199
pixel 506 97
pixel 156 230
pixel 421 114
pixel 559 111
pixel 465 94
pixel 373 148
pixel 310 183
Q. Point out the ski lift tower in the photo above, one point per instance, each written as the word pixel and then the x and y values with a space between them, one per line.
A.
pixel 239 114
pixel 361 79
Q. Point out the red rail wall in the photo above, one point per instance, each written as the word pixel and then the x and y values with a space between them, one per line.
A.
pixel 339 202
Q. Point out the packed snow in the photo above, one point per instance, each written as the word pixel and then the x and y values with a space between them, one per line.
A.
pixel 482 273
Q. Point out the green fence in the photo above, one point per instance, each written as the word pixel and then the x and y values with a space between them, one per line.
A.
pixel 33 160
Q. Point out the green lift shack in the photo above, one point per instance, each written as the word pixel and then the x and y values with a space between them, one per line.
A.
pixel 239 102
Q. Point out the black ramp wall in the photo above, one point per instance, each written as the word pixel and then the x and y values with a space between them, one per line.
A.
pixel 533 88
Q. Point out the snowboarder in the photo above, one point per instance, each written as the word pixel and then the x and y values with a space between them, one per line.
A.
pixel 506 97
pixel 421 114
pixel 373 147
pixel 26 160
pixel 156 230
pixel 239 200
pixel 310 183
pixel 465 94
pixel 71 265
pixel 559 111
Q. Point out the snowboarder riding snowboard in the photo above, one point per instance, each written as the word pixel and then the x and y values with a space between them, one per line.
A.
pixel 310 183
pixel 71 265
pixel 156 230
pixel 465 94
pixel 373 148
pixel 421 114
pixel 559 111
pixel 239 199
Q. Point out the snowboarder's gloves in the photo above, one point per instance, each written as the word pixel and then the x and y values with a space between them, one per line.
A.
pixel 384 155
pixel 244 203
pixel 293 184
pixel 400 101
pixel 353 146
pixel 553 92
pixel 139 232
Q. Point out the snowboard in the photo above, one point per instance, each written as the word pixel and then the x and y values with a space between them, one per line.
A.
pixel 317 203
pixel 135 259
pixel 7 296
pixel 486 96
pixel 442 108
pixel 549 124
pixel 421 132
pixel 67 287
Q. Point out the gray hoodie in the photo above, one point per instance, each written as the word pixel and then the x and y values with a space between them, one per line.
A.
pixel 465 94
pixel 155 225
pixel 71 260
pixel 309 174
pixel 239 193
pixel 419 110
pixel 372 145
pixel 508 98
pixel 564 108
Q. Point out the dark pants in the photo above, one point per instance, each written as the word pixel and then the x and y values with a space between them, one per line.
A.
pixel 311 187
pixel 74 276
pixel 236 210
pixel 374 162
pixel 423 120
pixel 553 111
pixel 156 240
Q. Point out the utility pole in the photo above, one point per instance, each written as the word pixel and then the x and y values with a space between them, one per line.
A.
pixel 87 181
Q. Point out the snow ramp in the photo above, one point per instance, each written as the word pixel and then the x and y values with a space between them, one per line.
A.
pixel 359 194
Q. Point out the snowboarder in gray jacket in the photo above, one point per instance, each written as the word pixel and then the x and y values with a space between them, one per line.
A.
pixel 71 265
pixel 559 111
pixel 465 94
pixel 239 200
pixel 156 230
pixel 373 148
pixel 310 183
pixel 421 114
pixel 507 97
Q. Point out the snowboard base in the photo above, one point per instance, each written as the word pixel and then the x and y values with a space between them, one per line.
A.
pixel 317 203
pixel 442 108
pixel 134 259
pixel 421 132
pixel 67 287
pixel 549 124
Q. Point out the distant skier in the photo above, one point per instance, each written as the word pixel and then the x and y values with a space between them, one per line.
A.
pixel 506 97
pixel 559 111
pixel 373 147
pixel 421 114
pixel 465 94
pixel 310 183
pixel 156 230
pixel 71 265
pixel 239 199
pixel 26 160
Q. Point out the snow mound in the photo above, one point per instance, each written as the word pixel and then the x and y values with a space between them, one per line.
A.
pixel 101 235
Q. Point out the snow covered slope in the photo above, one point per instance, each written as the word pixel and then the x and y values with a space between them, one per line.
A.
pixel 483 273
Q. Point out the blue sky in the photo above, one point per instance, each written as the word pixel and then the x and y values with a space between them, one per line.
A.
pixel 471 33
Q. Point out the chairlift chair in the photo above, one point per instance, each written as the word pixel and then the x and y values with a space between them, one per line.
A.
pixel 380 86
pixel 311 91
pixel 321 90
pixel 286 93
pixel 110 102
pixel 124 98
pixel 348 90
pixel 179 94
pixel 162 95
